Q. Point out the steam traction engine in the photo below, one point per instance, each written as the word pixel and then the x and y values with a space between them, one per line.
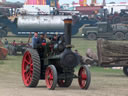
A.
pixel 54 63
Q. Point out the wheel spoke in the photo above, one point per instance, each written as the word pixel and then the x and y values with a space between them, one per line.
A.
pixel 31 67
pixel 25 74
pixel 83 75
pixel 28 80
pixel 27 62
pixel 24 67
pixel 51 76
pixel 83 82
pixel 29 56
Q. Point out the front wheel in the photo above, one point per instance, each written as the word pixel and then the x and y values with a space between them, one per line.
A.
pixel 51 77
pixel 125 70
pixel 91 36
pixel 84 77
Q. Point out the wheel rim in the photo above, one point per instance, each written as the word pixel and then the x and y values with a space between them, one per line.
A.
pixel 49 77
pixel 82 77
pixel 119 36
pixel 27 69
pixel 92 37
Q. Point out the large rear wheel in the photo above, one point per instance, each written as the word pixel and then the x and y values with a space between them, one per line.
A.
pixel 51 77
pixel 84 77
pixel 31 68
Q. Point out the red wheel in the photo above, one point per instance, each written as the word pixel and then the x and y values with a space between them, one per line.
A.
pixel 84 77
pixel 51 77
pixel 30 68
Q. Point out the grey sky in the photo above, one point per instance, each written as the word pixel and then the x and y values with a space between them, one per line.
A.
pixel 70 1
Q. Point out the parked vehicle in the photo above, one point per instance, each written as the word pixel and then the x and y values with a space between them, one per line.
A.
pixel 106 30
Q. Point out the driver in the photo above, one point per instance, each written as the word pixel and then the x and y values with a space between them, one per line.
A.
pixel 42 40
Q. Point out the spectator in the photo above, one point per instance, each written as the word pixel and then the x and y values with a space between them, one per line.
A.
pixel 35 40
pixel 6 42
pixel 47 39
pixel 54 39
pixel 42 39
pixel 14 43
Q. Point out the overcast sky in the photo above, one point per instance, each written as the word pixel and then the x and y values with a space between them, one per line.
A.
pixel 70 1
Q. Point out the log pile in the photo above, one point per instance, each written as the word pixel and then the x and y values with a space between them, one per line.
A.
pixel 112 52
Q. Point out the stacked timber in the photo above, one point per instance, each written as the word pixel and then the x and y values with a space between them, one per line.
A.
pixel 112 53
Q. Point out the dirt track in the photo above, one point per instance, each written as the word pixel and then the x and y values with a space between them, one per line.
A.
pixel 101 85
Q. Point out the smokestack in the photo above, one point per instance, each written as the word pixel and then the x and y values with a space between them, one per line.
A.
pixel 68 31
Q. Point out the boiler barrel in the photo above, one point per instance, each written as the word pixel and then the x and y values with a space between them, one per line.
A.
pixel 31 23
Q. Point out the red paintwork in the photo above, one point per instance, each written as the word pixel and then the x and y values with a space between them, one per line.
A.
pixel 3 53
pixel 83 77
pixel 43 44
pixel 27 69
pixel 49 77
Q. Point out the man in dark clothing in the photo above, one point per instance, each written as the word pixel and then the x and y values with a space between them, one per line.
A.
pixel 42 39
pixel 41 45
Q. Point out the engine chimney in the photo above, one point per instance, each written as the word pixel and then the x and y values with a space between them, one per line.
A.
pixel 68 31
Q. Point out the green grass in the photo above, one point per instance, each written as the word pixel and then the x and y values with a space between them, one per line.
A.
pixel 13 63
pixel 82 45
pixel 105 70
pixel 1 62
